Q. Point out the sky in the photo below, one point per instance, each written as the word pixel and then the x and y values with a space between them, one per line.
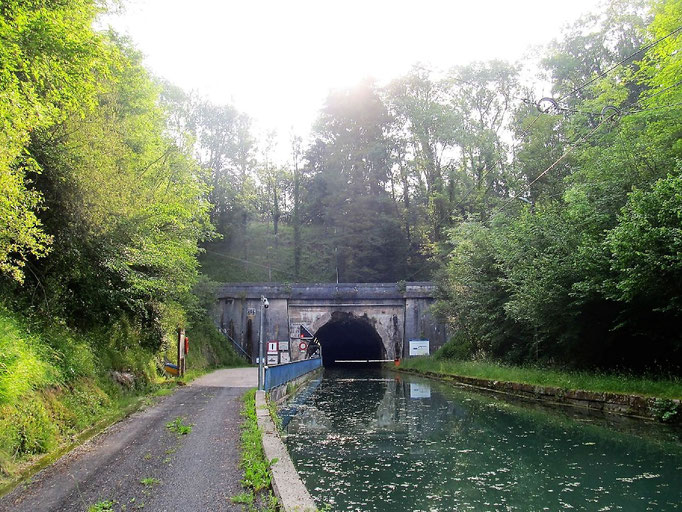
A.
pixel 278 60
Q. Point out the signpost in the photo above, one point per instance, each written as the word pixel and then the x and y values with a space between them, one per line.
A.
pixel 181 352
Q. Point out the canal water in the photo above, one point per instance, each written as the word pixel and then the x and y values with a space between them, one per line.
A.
pixel 376 440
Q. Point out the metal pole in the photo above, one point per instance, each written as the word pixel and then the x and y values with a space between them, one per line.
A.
pixel 260 348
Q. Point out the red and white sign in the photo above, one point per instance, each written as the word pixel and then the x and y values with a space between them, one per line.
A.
pixel 303 346
pixel 273 347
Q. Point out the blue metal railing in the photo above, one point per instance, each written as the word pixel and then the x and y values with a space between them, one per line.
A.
pixel 283 373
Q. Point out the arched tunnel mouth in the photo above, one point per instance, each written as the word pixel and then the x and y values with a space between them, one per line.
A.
pixel 350 340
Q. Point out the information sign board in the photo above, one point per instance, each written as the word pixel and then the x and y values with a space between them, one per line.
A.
pixel 273 347
pixel 284 346
pixel 272 359
pixel 419 347
pixel 284 357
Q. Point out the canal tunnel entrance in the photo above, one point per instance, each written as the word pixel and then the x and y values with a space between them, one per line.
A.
pixel 349 338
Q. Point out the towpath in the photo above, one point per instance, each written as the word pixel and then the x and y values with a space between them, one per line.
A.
pixel 140 464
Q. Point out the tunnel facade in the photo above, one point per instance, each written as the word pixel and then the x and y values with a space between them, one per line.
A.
pixel 348 338
pixel 355 320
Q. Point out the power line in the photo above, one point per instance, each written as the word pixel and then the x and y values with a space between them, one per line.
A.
pixel 285 272
pixel 577 89
pixel 558 160
pixel 620 63
pixel 671 105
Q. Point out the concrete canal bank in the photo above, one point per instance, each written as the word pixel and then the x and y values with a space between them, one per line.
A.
pixel 281 381
pixel 637 406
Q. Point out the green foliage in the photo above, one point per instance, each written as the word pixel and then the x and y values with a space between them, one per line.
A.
pixel 150 482
pixel 23 361
pixel 646 246
pixel 457 348
pixel 665 410
pixel 177 426
pixel 659 387
pixel 587 275
pixel 48 61
pixel 102 506
pixel 208 347
pixel 257 495
pixel 253 463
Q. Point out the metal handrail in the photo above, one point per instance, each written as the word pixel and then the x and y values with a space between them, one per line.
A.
pixel 239 348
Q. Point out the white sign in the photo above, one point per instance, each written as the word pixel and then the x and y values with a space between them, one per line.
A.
pixel 294 330
pixel 420 390
pixel 284 358
pixel 284 346
pixel 419 347
pixel 272 347
pixel 272 360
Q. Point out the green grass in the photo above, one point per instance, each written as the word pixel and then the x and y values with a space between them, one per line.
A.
pixel 55 383
pixel 177 426
pixel 256 468
pixel 150 482
pixel 208 348
pixel 102 506
pixel 257 495
pixel 577 380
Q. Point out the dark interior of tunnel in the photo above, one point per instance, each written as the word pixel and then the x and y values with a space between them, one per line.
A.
pixel 347 337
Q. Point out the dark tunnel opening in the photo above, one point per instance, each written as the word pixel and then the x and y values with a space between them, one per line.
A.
pixel 349 338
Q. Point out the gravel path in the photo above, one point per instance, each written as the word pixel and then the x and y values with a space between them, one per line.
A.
pixel 194 472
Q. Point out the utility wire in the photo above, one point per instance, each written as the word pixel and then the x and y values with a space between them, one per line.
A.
pixel 671 105
pixel 558 160
pixel 620 63
pixel 285 272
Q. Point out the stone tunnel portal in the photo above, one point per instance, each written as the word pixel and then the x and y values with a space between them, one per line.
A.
pixel 349 338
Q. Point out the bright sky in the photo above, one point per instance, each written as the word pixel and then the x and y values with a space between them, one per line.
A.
pixel 277 59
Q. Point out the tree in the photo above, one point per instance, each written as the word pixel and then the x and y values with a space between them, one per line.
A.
pixel 348 165
pixel 126 205
pixel 49 58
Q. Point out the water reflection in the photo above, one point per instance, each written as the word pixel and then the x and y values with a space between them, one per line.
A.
pixel 390 442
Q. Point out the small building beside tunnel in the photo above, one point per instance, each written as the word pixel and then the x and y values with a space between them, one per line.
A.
pixel 352 321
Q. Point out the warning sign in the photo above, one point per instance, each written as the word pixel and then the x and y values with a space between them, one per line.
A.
pixel 305 333
pixel 300 331
pixel 273 347
pixel 303 346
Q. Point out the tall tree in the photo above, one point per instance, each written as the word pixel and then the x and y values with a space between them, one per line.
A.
pixel 349 163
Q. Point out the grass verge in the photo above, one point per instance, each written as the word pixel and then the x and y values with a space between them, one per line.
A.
pixel 59 386
pixel 574 380
pixel 257 495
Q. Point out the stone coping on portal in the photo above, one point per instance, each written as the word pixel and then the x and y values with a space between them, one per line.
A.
pixel 327 291
pixel 637 406
pixel 286 483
